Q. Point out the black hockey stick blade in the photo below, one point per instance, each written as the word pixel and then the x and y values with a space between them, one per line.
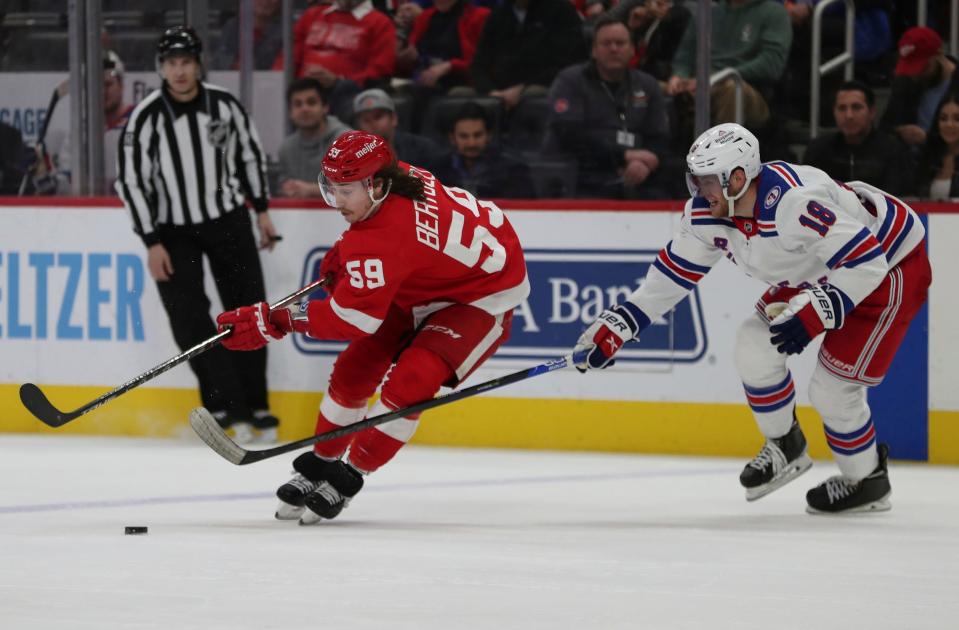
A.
pixel 207 428
pixel 40 406
pixel 37 403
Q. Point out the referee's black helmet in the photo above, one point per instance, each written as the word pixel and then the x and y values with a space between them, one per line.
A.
pixel 179 40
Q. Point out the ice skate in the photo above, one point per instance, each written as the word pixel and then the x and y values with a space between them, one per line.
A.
pixel 839 495
pixel 780 461
pixel 264 427
pixel 309 472
pixel 239 431
pixel 334 494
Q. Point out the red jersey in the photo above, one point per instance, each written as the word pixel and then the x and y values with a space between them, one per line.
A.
pixel 450 248
pixel 359 44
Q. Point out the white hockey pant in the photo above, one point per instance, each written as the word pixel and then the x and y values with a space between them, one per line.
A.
pixel 841 404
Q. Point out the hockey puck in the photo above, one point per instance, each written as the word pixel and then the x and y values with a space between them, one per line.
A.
pixel 134 529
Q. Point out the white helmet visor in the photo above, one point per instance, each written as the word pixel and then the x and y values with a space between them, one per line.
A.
pixel 702 185
pixel 337 195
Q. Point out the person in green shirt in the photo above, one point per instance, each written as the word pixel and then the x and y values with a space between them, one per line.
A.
pixel 752 36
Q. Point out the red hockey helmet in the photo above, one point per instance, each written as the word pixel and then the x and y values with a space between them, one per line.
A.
pixel 353 159
pixel 355 156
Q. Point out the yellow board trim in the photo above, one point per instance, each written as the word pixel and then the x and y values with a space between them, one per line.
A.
pixel 551 424
pixel 944 437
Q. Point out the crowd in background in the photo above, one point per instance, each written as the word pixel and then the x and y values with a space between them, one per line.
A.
pixel 585 98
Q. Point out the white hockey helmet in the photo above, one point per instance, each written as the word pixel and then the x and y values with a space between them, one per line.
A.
pixel 719 151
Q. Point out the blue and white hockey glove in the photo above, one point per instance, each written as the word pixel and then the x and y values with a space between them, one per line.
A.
pixel 808 313
pixel 605 336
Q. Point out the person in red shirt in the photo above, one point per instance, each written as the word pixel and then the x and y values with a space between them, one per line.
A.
pixel 424 281
pixel 347 46
pixel 442 58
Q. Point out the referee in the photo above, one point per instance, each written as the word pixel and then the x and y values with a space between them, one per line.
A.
pixel 189 162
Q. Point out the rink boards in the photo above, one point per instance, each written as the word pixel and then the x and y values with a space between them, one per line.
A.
pixel 80 315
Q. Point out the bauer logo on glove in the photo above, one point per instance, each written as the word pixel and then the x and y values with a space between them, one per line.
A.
pixel 605 336
pixel 808 314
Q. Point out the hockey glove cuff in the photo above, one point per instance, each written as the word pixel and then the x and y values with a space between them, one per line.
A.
pixel 604 337
pixel 809 313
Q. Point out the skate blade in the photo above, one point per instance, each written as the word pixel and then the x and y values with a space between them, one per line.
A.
pixel 309 517
pixel 796 468
pixel 882 505
pixel 287 512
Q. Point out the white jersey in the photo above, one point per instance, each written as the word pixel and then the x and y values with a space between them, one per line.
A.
pixel 806 229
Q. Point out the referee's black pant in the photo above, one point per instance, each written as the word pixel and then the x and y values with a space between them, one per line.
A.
pixel 234 382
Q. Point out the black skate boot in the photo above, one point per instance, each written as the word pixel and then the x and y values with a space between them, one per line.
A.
pixel 330 497
pixel 780 461
pixel 265 426
pixel 309 472
pixel 838 494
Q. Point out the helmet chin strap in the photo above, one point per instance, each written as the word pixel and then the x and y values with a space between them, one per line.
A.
pixel 731 201
pixel 376 202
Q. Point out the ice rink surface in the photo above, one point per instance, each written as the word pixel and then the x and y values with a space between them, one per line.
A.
pixel 449 538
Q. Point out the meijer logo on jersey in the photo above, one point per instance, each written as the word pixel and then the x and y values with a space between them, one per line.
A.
pixel 569 291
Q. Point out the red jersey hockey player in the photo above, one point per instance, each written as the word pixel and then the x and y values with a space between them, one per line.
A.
pixel 846 260
pixel 425 280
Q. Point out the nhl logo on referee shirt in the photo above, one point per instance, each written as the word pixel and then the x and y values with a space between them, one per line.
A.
pixel 217 132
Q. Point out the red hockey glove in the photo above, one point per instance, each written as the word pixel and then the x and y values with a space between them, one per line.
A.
pixel 604 337
pixel 809 313
pixel 254 326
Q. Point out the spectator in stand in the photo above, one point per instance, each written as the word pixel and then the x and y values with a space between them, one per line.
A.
pixel 590 10
pixel 13 156
pixel 657 27
pixel 302 152
pixel 376 113
pixel 346 46
pixel 444 39
pixel 267 39
pixel 859 151
pixel 115 116
pixel 524 45
pixel 924 74
pixel 938 168
pixel 476 164
pixel 403 19
pixel 610 118
pixel 752 36
pixel 873 41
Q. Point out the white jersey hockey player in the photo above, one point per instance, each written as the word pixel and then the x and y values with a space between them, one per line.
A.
pixel 844 259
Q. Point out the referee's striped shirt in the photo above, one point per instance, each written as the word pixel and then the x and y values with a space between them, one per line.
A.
pixel 186 163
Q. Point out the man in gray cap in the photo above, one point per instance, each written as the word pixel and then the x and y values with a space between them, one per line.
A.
pixel 375 112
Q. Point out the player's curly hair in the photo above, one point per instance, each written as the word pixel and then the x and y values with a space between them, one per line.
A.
pixel 403 183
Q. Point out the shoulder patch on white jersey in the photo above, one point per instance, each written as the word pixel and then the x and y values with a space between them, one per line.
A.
pixel 775 180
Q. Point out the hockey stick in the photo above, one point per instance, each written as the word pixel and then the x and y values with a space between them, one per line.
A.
pixel 62 89
pixel 37 403
pixel 216 438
